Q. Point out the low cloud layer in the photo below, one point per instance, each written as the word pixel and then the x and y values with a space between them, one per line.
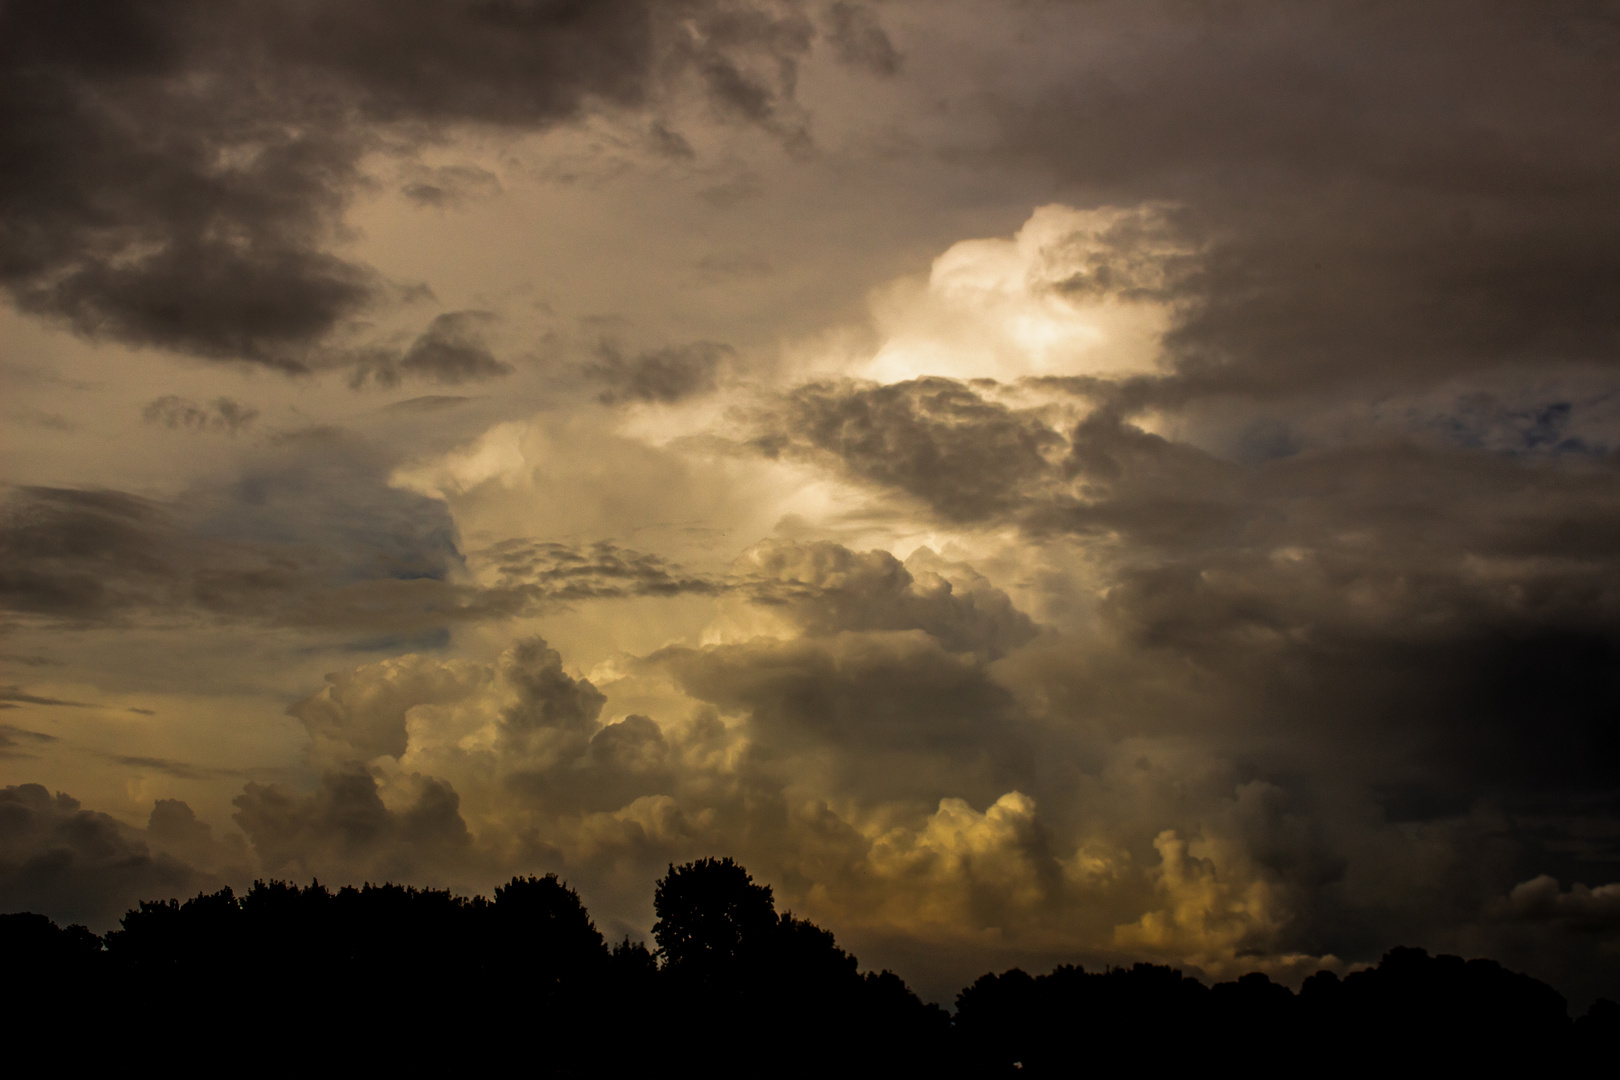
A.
pixel 87 867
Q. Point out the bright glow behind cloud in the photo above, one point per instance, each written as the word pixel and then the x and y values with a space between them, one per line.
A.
pixel 1073 292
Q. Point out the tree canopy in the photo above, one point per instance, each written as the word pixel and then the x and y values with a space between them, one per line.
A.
pixel 390 975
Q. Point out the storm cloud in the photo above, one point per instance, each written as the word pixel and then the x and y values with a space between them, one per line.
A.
pixel 1389 194
pixel 56 856
pixel 1037 483
pixel 245 125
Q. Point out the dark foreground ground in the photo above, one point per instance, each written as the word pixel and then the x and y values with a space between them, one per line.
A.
pixel 418 980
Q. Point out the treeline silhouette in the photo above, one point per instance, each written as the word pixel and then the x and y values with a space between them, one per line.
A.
pixel 396 977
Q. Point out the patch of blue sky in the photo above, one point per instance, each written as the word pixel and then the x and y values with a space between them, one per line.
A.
pixel 1482 421
pixel 352 525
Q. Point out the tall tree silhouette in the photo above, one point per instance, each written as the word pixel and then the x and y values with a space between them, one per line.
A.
pixel 775 992
pixel 543 931
pixel 712 920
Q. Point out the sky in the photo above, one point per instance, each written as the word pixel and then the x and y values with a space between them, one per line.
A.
pixel 1033 481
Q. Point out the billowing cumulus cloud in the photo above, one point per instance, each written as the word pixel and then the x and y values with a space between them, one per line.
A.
pixel 1594 911
pixel 344 827
pixel 872 758
pixel 1072 290
pixel 826 588
pixel 934 438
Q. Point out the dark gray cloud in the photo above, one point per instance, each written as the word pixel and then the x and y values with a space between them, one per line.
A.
pixel 1581 909
pixel 597 571
pixel 78 865
pixel 176 170
pixel 887 682
pixel 1383 193
pixel 552 706
pixel 174 829
pixel 661 375
pixel 73 553
pixel 1406 630
pixel 823 588
pixel 450 185
pixel 14 741
pixel 623 761
pixel 428 403
pixel 1479 585
pixel 179 770
pixel 313 539
pixel 1571 934
pixel 629 744
pixel 746 55
pixel 893 715
pixel 826 588
pixel 969 458
pixel 344 827
pixel 28 660
pixel 222 415
pixel 280 545
pixel 15 695
pixel 206 254
pixel 858 39
pixel 451 351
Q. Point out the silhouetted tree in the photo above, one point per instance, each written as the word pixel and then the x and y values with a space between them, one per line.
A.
pixel 776 992
pixel 712 919
pixel 544 932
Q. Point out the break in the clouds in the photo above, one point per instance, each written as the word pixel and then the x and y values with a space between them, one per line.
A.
pixel 1051 482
